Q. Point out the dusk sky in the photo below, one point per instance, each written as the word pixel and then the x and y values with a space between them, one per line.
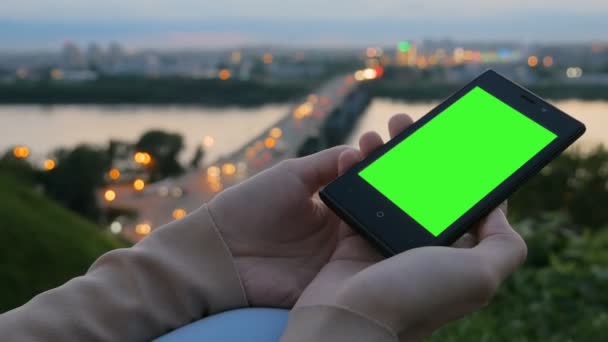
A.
pixel 32 24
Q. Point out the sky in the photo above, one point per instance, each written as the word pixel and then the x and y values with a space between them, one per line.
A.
pixel 31 24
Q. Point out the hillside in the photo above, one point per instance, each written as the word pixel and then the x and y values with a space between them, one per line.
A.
pixel 560 294
pixel 43 244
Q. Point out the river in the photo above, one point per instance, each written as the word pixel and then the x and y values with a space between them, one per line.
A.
pixel 46 128
pixel 594 114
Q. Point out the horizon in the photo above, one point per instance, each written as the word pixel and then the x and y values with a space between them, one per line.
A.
pixel 189 24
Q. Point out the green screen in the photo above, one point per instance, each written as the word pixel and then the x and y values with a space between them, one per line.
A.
pixel 453 161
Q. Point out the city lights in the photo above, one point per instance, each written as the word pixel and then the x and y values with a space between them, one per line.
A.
pixel 574 72
pixel 236 57
pixel 22 73
pixel 370 74
pixel 49 164
pixel 213 175
pixel 548 61
pixel 216 186
pixel 270 143
pixel 276 132
pixel 403 46
pixel 229 169
pixel 373 52
pixel 325 101
pixel 109 195
pixel 250 152
pixel 268 58
pixel 139 184
pixel 224 74
pixel 116 227
pixel 142 158
pixel 213 171
pixel 179 213
pixel 303 110
pixel 421 62
pixel 312 98
pixel 468 55
pixel 259 145
pixel 208 141
pixel 359 75
pixel 114 174
pixel 532 61
pixel 177 192
pixel 458 55
pixel 21 152
pixel 57 74
pixel 143 229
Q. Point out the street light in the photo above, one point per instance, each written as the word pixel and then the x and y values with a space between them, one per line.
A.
pixel 276 132
pixel 139 184
pixel 21 152
pixel 49 164
pixel 143 229
pixel 114 174
pixel 270 143
pixel 179 213
pixel 208 141
pixel 142 158
pixel 229 169
pixel 116 227
pixel 109 195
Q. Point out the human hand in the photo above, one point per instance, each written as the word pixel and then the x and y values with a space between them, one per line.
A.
pixel 280 233
pixel 417 291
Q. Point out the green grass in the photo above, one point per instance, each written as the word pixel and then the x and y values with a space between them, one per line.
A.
pixel 561 293
pixel 43 244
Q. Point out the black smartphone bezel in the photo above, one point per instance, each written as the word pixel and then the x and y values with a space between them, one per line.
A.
pixel 391 229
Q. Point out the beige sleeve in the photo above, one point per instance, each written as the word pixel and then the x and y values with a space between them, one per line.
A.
pixel 327 323
pixel 180 273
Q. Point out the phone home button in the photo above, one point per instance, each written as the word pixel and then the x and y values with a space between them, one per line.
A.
pixel 380 214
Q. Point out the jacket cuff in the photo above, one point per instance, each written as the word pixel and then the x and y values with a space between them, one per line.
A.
pixel 227 291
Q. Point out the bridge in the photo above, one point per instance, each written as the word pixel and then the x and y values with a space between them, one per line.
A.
pixel 322 119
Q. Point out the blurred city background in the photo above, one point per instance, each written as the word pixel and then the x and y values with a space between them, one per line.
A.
pixel 117 117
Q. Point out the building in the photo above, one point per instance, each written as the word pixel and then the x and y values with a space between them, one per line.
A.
pixel 72 57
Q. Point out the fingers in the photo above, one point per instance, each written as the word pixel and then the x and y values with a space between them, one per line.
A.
pixel 504 206
pixel 316 170
pixel 398 123
pixel 372 140
pixel 321 168
pixel 369 142
pixel 347 159
pixel 468 240
pixel 499 245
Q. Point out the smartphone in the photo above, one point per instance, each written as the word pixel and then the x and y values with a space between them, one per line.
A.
pixel 431 183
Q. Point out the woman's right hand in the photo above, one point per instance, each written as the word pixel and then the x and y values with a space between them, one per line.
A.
pixel 420 290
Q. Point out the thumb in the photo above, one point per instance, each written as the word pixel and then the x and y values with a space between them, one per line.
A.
pixel 316 170
pixel 500 245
